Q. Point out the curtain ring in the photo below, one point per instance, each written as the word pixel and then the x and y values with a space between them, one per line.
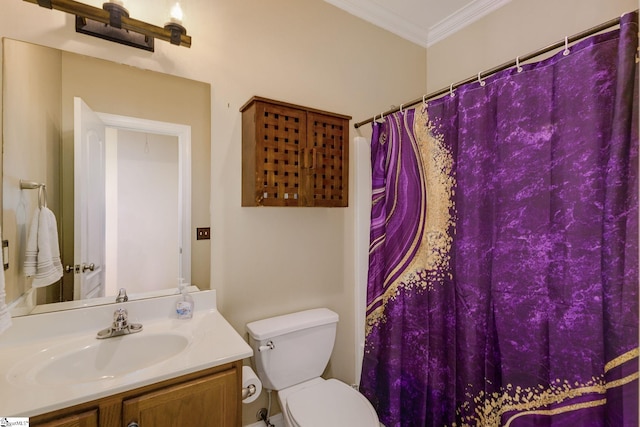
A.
pixel 451 92
pixel 401 105
pixel 518 67
pixel 424 100
pixel 566 47
pixel 482 82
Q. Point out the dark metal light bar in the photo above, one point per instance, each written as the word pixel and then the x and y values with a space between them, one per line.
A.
pixel 113 23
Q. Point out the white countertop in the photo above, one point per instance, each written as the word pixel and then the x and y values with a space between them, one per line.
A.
pixel 212 342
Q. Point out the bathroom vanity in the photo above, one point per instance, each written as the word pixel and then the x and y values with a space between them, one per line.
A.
pixel 210 397
pixel 57 373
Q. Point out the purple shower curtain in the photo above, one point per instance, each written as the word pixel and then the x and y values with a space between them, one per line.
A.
pixel 503 277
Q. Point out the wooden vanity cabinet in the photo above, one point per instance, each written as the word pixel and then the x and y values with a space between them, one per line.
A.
pixel 207 401
pixel 82 419
pixel 209 398
pixel 293 155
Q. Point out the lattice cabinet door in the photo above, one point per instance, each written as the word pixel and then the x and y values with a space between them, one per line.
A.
pixel 293 155
pixel 328 172
pixel 282 133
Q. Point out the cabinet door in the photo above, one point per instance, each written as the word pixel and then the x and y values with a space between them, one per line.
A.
pixel 84 419
pixel 208 401
pixel 281 134
pixel 327 170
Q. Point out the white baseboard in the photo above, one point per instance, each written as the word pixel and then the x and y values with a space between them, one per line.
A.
pixel 276 420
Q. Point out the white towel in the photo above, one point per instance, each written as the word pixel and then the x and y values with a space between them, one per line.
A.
pixel 5 316
pixel 42 258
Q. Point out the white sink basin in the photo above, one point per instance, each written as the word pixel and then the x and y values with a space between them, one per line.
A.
pixel 51 361
pixel 96 360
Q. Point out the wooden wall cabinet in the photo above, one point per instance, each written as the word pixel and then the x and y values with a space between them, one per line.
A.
pixel 209 398
pixel 293 155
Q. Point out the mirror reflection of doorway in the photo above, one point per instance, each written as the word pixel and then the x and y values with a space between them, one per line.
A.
pixel 89 201
pixel 141 187
pixel 132 197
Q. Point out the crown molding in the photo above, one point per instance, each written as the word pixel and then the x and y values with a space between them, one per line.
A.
pixel 425 37
pixel 461 18
pixel 384 18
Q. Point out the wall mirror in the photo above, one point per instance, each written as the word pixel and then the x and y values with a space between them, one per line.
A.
pixel 156 167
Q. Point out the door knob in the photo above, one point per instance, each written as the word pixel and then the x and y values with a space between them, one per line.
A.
pixel 132 424
pixel 72 268
pixel 89 267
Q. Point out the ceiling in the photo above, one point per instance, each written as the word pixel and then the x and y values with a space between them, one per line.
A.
pixel 423 22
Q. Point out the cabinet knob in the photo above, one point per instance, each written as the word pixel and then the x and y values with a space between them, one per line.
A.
pixel 133 424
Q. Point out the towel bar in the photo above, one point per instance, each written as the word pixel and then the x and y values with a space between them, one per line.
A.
pixel 30 185
pixel 42 191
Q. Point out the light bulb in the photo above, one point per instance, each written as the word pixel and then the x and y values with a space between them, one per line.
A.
pixel 176 14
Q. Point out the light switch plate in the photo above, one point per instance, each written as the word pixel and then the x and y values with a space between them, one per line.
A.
pixel 203 233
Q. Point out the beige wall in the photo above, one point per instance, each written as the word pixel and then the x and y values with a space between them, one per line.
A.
pixel 518 28
pixel 267 261
pixel 32 141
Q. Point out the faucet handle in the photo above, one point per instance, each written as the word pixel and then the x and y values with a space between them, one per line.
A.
pixel 122 295
pixel 120 319
pixel 120 325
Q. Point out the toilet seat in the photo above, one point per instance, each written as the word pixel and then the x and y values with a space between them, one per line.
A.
pixel 330 403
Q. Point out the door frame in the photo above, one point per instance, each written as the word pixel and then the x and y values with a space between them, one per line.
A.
pixel 183 133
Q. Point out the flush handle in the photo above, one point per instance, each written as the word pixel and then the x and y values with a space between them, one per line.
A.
pixel 270 346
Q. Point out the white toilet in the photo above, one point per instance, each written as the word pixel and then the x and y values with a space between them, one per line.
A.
pixel 290 353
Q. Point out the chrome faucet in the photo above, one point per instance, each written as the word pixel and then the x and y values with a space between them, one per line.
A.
pixel 120 326
pixel 120 320
pixel 122 295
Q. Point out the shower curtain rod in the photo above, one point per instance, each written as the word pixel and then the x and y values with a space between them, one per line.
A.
pixel 518 60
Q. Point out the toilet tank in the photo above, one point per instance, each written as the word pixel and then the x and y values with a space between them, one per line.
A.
pixel 302 346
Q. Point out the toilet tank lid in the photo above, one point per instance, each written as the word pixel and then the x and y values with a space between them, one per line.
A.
pixel 280 325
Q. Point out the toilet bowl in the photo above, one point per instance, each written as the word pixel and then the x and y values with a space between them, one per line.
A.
pixel 320 402
pixel 290 355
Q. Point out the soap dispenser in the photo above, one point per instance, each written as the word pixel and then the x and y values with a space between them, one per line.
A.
pixel 184 306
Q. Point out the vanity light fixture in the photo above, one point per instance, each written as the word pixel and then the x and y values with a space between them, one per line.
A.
pixel 113 23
